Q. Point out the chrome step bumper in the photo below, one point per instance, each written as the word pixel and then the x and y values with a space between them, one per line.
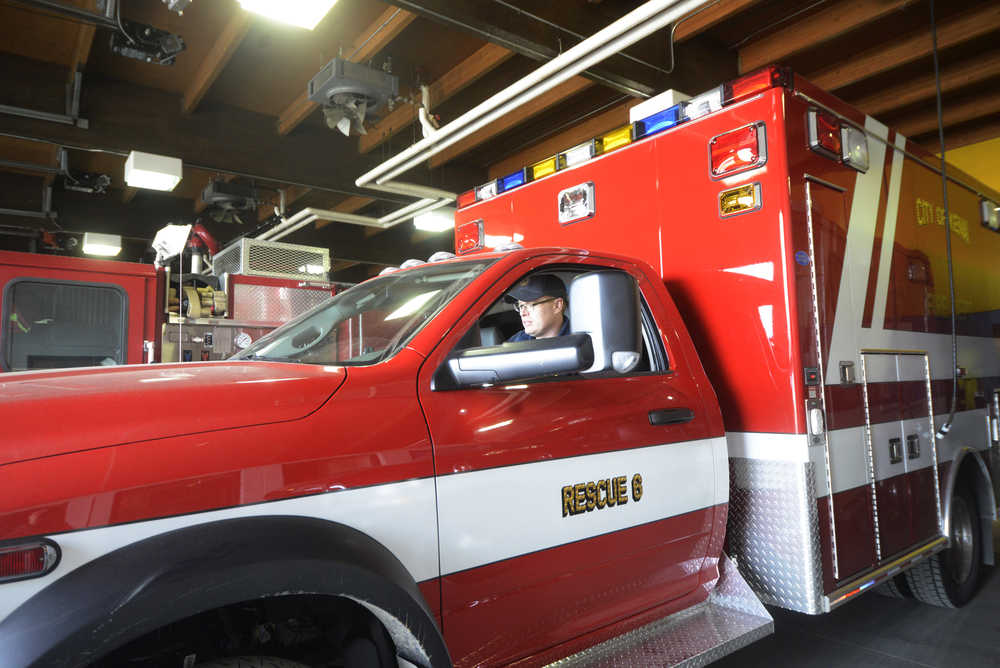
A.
pixel 729 620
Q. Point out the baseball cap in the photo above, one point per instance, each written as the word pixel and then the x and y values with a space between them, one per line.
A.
pixel 535 287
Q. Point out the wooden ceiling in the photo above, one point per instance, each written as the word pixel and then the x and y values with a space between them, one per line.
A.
pixel 234 104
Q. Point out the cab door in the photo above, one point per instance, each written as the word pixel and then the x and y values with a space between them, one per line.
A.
pixel 525 565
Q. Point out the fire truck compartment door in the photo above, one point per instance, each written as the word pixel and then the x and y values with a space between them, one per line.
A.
pixel 899 442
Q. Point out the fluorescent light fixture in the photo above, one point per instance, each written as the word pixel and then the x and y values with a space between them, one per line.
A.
pixel 302 13
pixel 101 244
pixel 155 172
pixel 411 306
pixel 437 220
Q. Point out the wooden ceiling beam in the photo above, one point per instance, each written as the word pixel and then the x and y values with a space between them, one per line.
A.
pixel 218 57
pixel 536 106
pixel 372 39
pixel 823 26
pixel 708 17
pixel 957 139
pixel 292 195
pixel 219 138
pixel 465 73
pixel 953 77
pixel 926 121
pixel 955 30
pixel 84 41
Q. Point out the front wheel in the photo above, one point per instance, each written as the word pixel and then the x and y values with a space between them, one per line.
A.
pixel 950 578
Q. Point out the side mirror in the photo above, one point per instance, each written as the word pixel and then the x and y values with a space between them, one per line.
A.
pixel 509 362
pixel 605 305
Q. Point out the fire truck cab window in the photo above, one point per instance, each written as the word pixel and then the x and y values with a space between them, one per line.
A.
pixel 56 324
pixel 503 320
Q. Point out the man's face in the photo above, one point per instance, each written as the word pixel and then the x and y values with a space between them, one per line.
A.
pixel 541 318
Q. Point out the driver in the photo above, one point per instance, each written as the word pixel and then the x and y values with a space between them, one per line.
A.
pixel 540 300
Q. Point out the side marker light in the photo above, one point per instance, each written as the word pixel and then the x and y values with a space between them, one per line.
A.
pixel 739 200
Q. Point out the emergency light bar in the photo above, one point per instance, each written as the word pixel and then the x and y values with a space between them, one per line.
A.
pixel 742 156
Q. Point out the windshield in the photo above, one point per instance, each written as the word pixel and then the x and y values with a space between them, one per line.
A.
pixel 369 322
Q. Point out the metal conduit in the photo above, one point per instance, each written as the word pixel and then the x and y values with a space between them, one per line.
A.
pixel 632 27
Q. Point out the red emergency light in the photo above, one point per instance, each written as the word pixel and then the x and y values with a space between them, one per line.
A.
pixel 738 150
pixel 469 237
pixel 27 560
pixel 756 82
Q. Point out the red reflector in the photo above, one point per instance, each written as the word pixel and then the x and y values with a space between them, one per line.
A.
pixel 469 237
pixel 36 558
pixel 824 133
pixel 755 82
pixel 737 150
pixel 467 198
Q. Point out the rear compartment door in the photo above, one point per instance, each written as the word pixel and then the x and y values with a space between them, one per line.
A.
pixel 845 510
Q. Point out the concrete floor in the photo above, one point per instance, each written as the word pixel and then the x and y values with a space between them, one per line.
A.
pixel 879 631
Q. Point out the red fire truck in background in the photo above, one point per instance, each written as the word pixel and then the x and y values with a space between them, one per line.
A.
pixel 62 311
pixel 759 365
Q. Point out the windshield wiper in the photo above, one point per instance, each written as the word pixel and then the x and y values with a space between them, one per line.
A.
pixel 270 358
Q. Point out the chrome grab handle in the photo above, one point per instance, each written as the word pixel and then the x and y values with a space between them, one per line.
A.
pixel 912 446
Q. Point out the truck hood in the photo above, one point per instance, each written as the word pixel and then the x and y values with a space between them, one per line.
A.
pixel 45 413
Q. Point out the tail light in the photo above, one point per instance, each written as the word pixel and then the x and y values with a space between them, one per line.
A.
pixel 738 150
pixel 27 560
pixel 469 237
pixel 824 134
pixel 838 141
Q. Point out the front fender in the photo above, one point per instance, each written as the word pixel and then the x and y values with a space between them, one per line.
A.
pixel 151 583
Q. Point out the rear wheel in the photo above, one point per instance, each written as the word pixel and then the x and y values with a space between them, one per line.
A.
pixel 950 579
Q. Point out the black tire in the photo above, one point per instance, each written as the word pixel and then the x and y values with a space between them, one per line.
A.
pixel 251 662
pixel 950 579
pixel 894 588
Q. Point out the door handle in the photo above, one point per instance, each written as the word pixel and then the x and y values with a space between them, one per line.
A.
pixel 912 446
pixel 670 416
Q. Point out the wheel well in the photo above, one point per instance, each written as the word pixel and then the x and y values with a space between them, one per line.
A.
pixel 969 469
pixel 312 629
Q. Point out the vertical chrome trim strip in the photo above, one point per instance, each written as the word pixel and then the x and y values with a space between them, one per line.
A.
pixel 934 451
pixel 822 380
pixel 870 455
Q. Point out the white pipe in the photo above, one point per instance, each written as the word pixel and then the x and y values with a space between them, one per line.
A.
pixel 486 117
pixel 284 224
pixel 630 28
pixel 401 213
pixel 309 215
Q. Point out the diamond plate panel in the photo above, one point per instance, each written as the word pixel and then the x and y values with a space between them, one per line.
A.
pixel 271 303
pixel 773 532
pixel 252 257
pixel 730 619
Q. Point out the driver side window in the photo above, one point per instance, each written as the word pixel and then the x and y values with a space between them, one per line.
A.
pixel 506 317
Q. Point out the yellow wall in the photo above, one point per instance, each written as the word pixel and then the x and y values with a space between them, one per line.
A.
pixel 981 160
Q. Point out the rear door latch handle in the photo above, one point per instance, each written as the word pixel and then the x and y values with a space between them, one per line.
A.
pixel 670 416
